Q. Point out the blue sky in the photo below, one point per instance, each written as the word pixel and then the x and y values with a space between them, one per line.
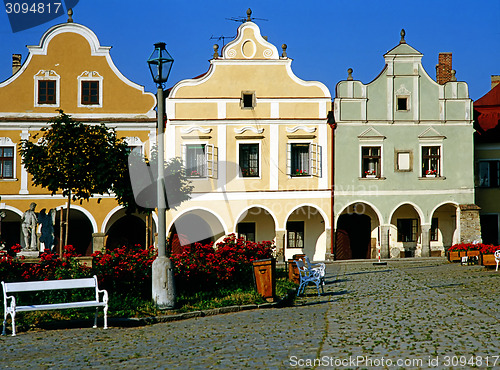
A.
pixel 324 37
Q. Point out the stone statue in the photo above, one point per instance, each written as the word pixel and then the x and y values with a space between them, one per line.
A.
pixel 47 221
pixel 29 228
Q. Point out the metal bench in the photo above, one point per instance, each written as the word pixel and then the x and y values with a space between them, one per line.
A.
pixel 318 266
pixel 308 275
pixel 497 258
pixel 34 286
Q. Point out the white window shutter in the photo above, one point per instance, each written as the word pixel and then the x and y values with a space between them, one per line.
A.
pixel 313 159
pixel 209 160
pixel 289 159
pixel 184 155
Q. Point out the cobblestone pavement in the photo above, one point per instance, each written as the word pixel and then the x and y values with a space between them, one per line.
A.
pixel 422 313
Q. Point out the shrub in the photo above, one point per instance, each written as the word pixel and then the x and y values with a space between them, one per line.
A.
pixel 483 248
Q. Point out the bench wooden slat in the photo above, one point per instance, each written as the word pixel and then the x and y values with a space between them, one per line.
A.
pixel 59 306
pixel 29 286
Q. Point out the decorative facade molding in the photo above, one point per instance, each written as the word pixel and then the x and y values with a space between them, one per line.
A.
pixel 291 130
pixel 249 128
pixel 195 128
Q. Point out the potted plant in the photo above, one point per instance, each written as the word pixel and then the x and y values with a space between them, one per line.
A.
pixel 370 174
pixel 488 254
pixel 431 173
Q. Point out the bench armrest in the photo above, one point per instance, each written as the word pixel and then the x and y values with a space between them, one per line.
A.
pixel 12 307
pixel 104 295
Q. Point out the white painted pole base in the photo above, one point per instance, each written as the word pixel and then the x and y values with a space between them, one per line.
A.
pixel 163 283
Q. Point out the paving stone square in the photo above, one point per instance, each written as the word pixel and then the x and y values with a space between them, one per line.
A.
pixel 413 313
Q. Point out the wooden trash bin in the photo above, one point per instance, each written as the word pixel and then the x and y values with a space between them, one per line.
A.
pixel 293 271
pixel 264 272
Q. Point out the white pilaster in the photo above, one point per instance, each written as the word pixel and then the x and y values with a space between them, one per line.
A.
pixel 222 158
pixel 24 174
pixel 274 157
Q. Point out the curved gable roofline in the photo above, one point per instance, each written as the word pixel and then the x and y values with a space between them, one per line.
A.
pixel 256 37
pixel 95 49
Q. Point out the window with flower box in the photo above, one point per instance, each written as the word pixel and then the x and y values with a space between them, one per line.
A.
pixel 199 160
pixel 303 159
pixel 249 159
pixel 371 159
pixel 431 161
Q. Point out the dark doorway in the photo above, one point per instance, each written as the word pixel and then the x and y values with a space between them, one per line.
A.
pixel 80 232
pixel 489 229
pixel 353 237
pixel 128 231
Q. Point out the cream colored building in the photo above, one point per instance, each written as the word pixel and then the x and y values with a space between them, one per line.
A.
pixel 255 142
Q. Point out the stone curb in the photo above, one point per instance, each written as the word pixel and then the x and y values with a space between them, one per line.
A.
pixel 133 322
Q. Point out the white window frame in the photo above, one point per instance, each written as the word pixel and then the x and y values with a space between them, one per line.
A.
pixel 48 75
pixel 421 159
pixel 7 142
pixel 210 167
pixel 371 145
pixel 254 100
pixel 289 158
pixel 238 159
pixel 89 76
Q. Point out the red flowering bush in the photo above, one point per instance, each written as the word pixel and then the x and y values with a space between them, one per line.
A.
pixel 489 249
pixel 203 267
pixel 125 269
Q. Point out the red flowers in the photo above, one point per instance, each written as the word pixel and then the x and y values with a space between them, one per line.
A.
pixel 483 248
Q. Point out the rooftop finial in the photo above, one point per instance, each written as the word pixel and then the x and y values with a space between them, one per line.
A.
pixel 403 33
pixel 283 47
pixel 453 77
pixel 70 15
pixel 349 74
pixel 216 51
pixel 249 15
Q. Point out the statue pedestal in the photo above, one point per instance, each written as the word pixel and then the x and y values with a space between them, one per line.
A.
pixel 28 254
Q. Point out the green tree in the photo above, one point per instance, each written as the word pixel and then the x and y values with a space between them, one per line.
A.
pixel 78 159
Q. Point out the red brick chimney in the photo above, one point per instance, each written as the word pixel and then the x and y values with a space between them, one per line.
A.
pixel 443 68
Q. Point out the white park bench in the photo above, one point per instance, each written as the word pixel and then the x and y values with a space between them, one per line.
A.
pixel 34 286
pixel 497 258
pixel 309 275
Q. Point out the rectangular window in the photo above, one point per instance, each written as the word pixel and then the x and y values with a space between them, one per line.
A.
pixel 46 92
pixel 295 234
pixel 434 230
pixel 299 158
pixel 247 99
pixel 195 160
pixel 407 229
pixel 246 230
pixel 431 161
pixel 489 174
pixel 249 160
pixel 90 92
pixel 402 103
pixel 371 160
pixel 6 162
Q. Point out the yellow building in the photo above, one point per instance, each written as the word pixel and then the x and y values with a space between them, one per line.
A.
pixel 255 142
pixel 70 70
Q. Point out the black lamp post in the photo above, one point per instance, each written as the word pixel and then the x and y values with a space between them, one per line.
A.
pixel 160 63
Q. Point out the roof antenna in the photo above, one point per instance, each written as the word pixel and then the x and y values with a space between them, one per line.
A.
pixel 221 38
pixel 249 18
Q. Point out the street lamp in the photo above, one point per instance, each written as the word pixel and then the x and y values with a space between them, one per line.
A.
pixel 163 287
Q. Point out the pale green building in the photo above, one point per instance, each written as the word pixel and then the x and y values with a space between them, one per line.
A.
pixel 404 170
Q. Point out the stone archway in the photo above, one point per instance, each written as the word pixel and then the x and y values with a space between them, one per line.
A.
pixel 127 231
pixel 356 233
pixel 443 228
pixel 257 221
pixel 406 241
pixel 198 226
pixel 306 234
pixel 80 231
